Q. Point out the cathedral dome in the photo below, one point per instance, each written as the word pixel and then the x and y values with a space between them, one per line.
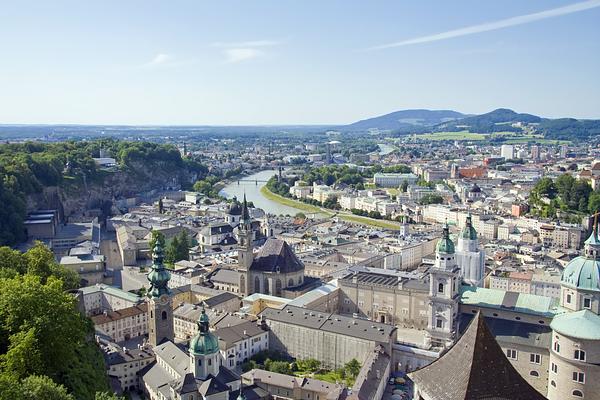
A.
pixel 583 272
pixel 204 343
pixel 445 245
pixel 235 208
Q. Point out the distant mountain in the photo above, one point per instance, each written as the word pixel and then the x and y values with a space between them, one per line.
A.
pixel 495 121
pixel 405 120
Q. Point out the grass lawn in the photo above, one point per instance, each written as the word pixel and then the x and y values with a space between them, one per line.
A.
pixel 392 192
pixel 333 377
pixel 290 202
pixel 462 135
pixel 378 223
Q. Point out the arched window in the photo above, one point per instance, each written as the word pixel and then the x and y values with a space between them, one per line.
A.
pixel 553 383
pixel 266 286
pixel 257 285
pixel 534 373
pixel 440 288
pixel 278 287
pixel 164 315
pixel 291 283
pixel 577 393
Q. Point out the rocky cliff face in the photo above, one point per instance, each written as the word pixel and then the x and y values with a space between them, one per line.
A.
pixel 75 201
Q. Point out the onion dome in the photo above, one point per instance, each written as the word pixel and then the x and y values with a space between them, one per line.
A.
pixel 204 343
pixel 158 276
pixel 235 208
pixel 445 244
pixel 583 272
pixel 468 232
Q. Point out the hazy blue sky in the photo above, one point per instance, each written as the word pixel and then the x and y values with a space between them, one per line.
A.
pixel 286 62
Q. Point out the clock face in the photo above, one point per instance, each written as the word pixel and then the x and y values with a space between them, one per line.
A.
pixel 164 299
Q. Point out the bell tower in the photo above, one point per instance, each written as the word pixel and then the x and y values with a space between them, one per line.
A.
pixel 160 309
pixel 245 254
pixel 444 283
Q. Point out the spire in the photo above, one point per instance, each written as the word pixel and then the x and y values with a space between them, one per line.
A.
pixel 203 322
pixel 468 232
pixel 245 221
pixel 158 276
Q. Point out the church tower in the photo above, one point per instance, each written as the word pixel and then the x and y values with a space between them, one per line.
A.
pixel 444 282
pixel 204 351
pixel 470 257
pixel 160 307
pixel 245 254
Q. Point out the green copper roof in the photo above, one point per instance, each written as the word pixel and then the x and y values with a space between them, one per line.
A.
pixel 582 273
pixel 158 276
pixel 445 245
pixel 468 232
pixel 582 324
pixel 204 343
pixel 510 301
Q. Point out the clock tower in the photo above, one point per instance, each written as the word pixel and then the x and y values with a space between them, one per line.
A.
pixel 160 308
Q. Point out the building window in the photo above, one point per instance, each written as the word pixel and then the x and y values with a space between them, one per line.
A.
pixel 553 383
pixel 511 354
pixel 535 358
pixel 557 347
pixel 534 373
pixel 568 298
pixel 440 288
pixel 439 323
pixel 209 362
pixel 554 368
pixel 577 393
pixel 587 303
pixel 579 355
pixel 164 315
pixel 579 377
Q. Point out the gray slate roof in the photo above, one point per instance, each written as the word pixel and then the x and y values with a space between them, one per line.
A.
pixel 276 256
pixel 356 327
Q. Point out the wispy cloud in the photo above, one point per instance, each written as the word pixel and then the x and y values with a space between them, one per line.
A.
pixel 235 52
pixel 236 55
pixel 161 59
pixel 491 26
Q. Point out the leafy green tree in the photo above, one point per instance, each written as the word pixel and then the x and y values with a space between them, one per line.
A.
pixel 171 253
pixel 42 333
pixel 183 248
pixel 352 368
pixel 37 387
pixel 280 367
pixel 544 188
pixel 300 215
pixel 594 202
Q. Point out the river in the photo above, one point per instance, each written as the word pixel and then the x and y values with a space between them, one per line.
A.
pixel 251 188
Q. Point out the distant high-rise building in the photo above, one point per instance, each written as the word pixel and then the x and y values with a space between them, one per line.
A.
pixel 507 151
pixel 535 152
pixel 563 150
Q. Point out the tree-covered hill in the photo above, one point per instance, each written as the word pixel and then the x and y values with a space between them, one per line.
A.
pixel 26 169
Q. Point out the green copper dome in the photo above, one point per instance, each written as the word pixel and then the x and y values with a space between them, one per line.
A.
pixel 583 272
pixel 204 343
pixel 445 244
pixel 158 276
pixel 468 232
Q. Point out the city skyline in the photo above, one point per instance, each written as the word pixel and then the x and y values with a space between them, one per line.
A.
pixel 269 63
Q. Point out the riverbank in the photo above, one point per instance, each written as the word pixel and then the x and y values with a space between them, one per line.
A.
pixel 378 223
pixel 292 203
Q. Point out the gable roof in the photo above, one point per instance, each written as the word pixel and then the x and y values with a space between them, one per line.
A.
pixel 276 256
pixel 474 368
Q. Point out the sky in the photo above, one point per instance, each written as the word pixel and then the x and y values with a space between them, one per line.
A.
pixel 293 62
